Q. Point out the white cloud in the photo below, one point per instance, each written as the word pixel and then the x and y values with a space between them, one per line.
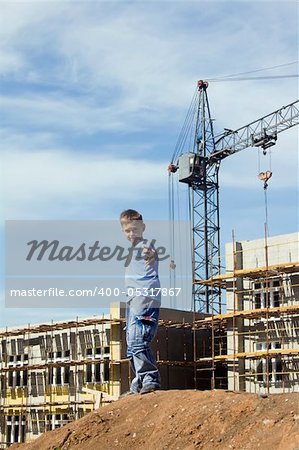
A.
pixel 10 62
pixel 65 113
pixel 149 56
pixel 49 184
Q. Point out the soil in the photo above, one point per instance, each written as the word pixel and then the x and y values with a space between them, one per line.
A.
pixel 182 420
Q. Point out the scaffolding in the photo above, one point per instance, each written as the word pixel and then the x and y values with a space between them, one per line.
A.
pixel 262 319
pixel 51 374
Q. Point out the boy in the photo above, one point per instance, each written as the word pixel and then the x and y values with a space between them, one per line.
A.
pixel 142 312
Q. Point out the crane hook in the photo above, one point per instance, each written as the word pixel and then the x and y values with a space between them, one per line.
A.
pixel 265 176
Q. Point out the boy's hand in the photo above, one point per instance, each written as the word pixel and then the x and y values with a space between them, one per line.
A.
pixel 149 255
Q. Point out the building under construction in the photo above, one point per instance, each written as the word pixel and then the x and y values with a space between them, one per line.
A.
pixel 51 374
pixel 262 318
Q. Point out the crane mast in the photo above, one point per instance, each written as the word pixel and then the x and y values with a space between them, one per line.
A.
pixel 198 166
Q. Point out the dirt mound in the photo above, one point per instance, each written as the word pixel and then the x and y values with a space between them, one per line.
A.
pixel 182 420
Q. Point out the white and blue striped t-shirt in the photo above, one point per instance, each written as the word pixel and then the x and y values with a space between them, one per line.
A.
pixel 142 278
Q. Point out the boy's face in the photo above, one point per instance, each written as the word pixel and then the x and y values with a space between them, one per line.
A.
pixel 133 230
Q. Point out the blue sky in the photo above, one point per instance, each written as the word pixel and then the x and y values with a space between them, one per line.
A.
pixel 93 96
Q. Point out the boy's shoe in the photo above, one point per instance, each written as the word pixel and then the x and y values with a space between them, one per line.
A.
pixel 126 394
pixel 148 388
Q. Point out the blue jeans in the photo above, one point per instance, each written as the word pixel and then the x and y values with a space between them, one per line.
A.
pixel 141 329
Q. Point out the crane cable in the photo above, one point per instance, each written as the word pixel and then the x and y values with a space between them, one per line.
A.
pixel 233 77
pixel 266 211
pixel 171 232
pixel 190 217
pixel 265 176
pixel 179 234
pixel 268 77
pixel 185 128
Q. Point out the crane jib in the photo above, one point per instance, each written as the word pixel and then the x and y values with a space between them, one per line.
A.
pixel 260 133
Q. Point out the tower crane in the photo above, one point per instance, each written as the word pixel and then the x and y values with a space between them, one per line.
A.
pixel 198 167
